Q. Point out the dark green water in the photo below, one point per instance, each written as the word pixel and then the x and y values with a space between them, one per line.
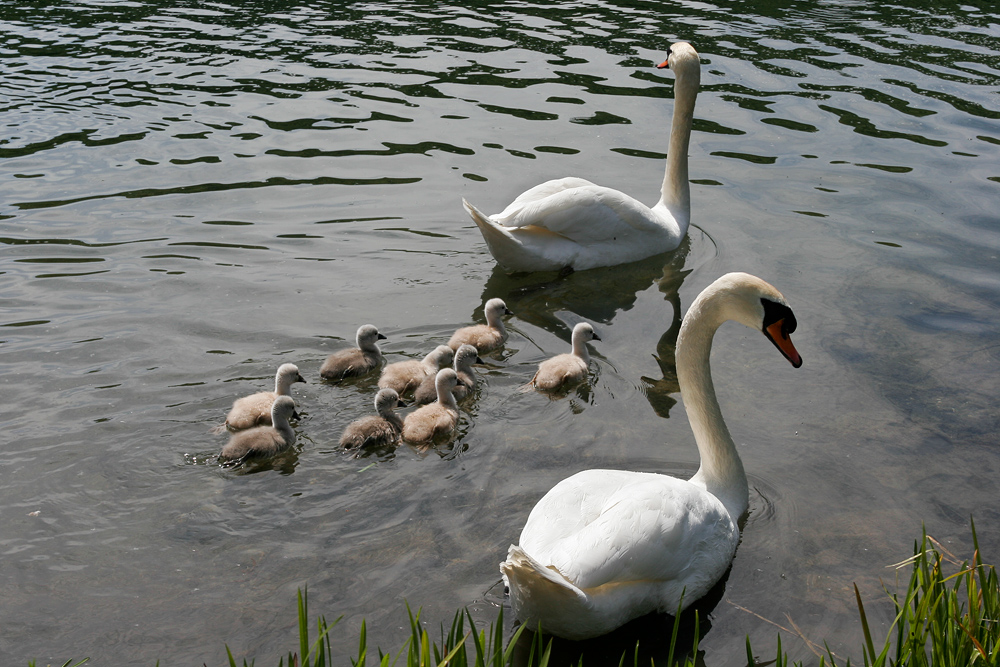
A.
pixel 194 193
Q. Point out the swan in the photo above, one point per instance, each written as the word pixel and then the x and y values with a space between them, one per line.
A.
pixel 484 337
pixel 263 441
pixel 255 410
pixel 572 223
pixel 565 369
pixel 605 546
pixel 376 430
pixel 355 361
pixel 428 421
pixel 464 359
pixel 405 376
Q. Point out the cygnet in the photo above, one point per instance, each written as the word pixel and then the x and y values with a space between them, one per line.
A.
pixel 263 441
pixel 255 410
pixel 484 337
pixel 441 416
pixel 565 369
pixel 464 359
pixel 355 361
pixel 376 430
pixel 405 376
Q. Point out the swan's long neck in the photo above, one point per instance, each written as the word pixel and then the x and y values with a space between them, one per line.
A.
pixel 445 397
pixel 721 470
pixel 675 194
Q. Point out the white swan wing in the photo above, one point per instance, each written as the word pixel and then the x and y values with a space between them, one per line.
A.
pixel 604 527
pixel 585 213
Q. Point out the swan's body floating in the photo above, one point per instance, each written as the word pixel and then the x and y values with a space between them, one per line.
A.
pixel 464 359
pixel 484 337
pixel 263 441
pixel 605 546
pixel 437 418
pixel 255 410
pixel 571 222
pixel 378 430
pixel 355 361
pixel 405 376
pixel 566 369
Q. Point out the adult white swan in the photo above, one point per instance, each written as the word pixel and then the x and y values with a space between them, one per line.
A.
pixel 572 223
pixel 605 546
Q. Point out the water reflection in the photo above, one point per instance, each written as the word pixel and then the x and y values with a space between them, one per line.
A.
pixel 599 296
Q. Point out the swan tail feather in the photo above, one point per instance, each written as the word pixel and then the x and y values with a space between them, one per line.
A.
pixel 541 594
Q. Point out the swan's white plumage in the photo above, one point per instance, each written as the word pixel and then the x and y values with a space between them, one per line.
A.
pixel 571 222
pixel 605 546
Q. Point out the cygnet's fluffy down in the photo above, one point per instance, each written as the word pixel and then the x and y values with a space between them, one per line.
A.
pixel 564 370
pixel 464 359
pixel 376 430
pixel 255 410
pixel 405 376
pixel 484 337
pixel 355 361
pixel 439 417
pixel 263 441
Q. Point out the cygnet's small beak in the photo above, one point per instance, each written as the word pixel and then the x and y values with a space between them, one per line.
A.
pixel 596 337
pixel 401 404
pixel 507 311
pixel 478 360
pixel 381 337
pixel 299 378
pixel 295 414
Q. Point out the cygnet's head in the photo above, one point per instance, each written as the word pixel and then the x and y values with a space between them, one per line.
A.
pixel 368 337
pixel 446 380
pixel 386 400
pixel 495 309
pixel 466 356
pixel 287 375
pixel 584 332
pixel 282 410
pixel 442 355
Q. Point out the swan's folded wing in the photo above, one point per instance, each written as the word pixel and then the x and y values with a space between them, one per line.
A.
pixel 587 215
pixel 655 528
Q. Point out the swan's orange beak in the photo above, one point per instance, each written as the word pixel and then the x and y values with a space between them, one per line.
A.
pixel 665 63
pixel 776 334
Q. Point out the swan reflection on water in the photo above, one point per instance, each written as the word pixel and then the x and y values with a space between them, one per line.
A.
pixel 598 296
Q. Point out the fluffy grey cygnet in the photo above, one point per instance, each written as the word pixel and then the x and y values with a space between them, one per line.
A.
pixel 355 361
pixel 263 441
pixel 484 337
pixel 405 376
pixel 376 430
pixel 439 417
pixel 565 369
pixel 464 359
pixel 255 410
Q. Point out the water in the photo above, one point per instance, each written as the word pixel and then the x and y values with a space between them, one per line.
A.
pixel 193 194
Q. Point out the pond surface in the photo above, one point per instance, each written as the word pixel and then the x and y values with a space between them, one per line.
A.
pixel 194 193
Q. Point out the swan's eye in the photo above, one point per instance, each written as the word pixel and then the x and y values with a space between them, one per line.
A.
pixel 777 312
